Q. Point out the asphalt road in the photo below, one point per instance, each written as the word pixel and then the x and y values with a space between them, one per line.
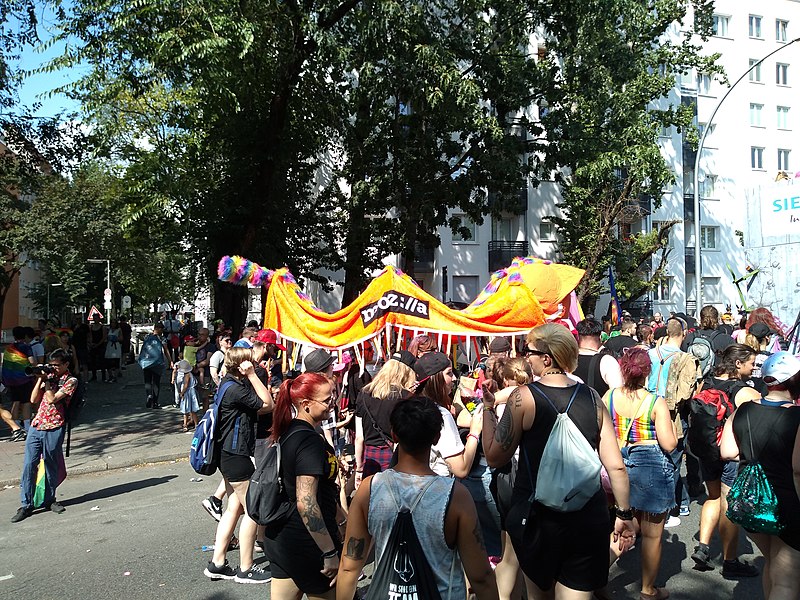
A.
pixel 144 541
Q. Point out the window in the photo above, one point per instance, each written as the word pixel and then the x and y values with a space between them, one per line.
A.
pixel 547 230
pixel 708 237
pixel 704 84
pixel 755 114
pixel 781 74
pixel 707 186
pixel 666 132
pixel 468 224
pixel 701 127
pixel 756 157
pixel 657 225
pixel 783 117
pixel 661 293
pixel 755 26
pixel 465 288
pixel 755 73
pixel 783 159
pixel 719 25
pixel 503 229
pixel 780 30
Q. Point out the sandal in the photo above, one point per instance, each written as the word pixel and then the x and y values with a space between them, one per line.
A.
pixel 234 544
pixel 661 594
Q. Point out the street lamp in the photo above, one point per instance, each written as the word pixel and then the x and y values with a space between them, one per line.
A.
pixel 49 285
pixel 697 261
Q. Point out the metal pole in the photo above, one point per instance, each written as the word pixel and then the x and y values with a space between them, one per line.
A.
pixel 697 261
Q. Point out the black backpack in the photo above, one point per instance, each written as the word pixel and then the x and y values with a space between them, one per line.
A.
pixel 403 571
pixel 268 503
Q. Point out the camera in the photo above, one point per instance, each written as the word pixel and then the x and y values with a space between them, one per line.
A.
pixel 46 370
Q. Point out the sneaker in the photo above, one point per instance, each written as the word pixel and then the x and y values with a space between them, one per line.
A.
pixel 737 568
pixel 149 403
pixel 213 506
pixel 18 436
pixel 56 508
pixel 254 574
pixel 702 557
pixel 672 522
pixel 684 511
pixel 22 513
pixel 214 572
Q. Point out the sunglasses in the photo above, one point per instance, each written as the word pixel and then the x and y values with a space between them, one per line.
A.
pixel 526 351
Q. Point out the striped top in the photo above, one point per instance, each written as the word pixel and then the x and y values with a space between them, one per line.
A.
pixel 15 359
pixel 643 428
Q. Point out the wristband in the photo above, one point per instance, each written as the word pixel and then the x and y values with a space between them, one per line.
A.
pixel 624 515
pixel 330 554
pixel 475 437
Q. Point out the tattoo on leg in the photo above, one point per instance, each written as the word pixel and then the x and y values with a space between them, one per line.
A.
pixel 355 548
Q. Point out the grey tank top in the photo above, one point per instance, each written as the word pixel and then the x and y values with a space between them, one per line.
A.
pixel 391 491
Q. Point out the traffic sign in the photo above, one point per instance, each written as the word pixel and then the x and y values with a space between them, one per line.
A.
pixel 107 304
pixel 126 302
pixel 95 311
pixel 107 294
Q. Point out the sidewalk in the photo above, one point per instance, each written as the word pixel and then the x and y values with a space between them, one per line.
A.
pixel 114 430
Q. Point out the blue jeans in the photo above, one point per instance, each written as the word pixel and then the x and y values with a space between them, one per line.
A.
pixel 681 489
pixel 46 445
pixel 477 483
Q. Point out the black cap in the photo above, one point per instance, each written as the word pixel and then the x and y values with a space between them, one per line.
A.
pixel 760 330
pixel 405 357
pixel 430 364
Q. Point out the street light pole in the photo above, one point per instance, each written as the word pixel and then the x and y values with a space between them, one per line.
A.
pixel 49 285
pixel 697 260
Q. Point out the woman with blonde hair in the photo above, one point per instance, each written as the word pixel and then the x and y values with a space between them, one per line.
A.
pixel 374 404
pixel 562 554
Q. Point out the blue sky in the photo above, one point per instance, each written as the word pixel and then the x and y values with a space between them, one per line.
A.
pixel 35 87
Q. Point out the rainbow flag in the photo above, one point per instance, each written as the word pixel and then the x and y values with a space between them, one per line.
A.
pixel 616 312
pixel 15 359
pixel 38 494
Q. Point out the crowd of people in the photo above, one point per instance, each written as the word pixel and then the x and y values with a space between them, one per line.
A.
pixel 655 413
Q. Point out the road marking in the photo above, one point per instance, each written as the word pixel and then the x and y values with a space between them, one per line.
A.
pixel 4 577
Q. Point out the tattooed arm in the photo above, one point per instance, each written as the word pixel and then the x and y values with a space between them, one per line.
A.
pixel 311 513
pixel 357 543
pixel 463 531
pixel 501 436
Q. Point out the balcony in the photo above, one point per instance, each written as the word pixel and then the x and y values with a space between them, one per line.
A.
pixel 423 260
pixel 688 256
pixel 502 253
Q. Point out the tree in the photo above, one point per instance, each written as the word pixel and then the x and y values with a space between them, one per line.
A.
pixel 614 67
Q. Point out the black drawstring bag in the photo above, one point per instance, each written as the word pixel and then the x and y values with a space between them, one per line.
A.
pixel 403 571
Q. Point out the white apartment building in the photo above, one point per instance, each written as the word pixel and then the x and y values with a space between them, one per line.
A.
pixel 752 138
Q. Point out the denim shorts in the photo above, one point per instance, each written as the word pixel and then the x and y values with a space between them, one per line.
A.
pixel 652 478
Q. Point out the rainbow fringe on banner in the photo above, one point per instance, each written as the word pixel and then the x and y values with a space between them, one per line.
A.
pixel 239 270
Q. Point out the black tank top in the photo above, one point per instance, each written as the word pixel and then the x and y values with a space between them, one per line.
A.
pixel 583 413
pixel 589 371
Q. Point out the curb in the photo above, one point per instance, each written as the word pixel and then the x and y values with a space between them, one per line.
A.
pixel 116 465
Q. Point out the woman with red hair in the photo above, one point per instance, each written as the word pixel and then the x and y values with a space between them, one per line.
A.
pixel 646 437
pixel 304 551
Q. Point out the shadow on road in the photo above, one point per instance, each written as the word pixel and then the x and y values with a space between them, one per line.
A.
pixel 116 490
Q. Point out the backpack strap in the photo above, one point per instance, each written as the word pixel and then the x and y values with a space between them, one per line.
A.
pixel 416 499
pixel 571 400
pixel 221 391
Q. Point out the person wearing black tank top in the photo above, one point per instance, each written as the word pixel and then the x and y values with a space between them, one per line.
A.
pixel 736 365
pixel 564 551
pixel 768 431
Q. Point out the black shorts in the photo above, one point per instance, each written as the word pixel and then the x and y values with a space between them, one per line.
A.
pixel 20 393
pixel 235 467
pixel 570 548
pixel 293 554
pixel 719 470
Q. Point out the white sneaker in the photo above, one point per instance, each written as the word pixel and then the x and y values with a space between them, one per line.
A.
pixel 672 522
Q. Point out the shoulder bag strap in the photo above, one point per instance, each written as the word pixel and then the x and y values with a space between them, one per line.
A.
pixel 377 427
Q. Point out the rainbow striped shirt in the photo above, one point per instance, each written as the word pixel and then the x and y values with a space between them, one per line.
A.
pixel 15 359
pixel 643 428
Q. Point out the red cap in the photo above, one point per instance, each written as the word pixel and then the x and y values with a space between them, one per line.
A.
pixel 269 337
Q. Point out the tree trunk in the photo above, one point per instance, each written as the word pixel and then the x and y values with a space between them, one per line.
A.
pixel 3 294
pixel 356 240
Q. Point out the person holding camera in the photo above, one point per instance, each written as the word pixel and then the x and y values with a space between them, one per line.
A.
pixel 52 391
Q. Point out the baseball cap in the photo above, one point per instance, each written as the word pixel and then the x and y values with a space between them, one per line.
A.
pixel 269 337
pixel 405 357
pixel 430 364
pixel 779 367
pixel 318 361
pixel 500 344
pixel 760 330
pixel 188 338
